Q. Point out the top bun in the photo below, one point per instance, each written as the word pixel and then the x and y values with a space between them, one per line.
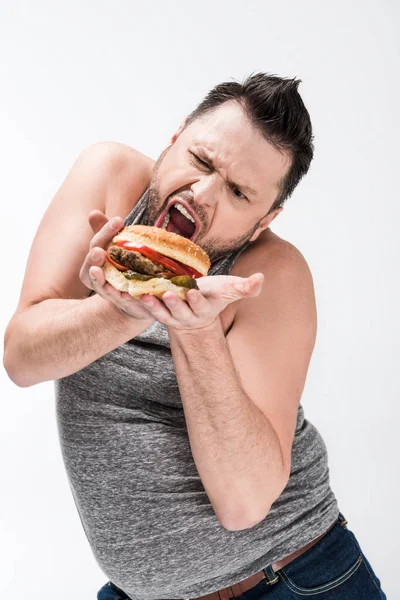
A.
pixel 167 243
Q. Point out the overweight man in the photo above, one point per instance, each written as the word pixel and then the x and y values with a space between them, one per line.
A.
pixel 194 471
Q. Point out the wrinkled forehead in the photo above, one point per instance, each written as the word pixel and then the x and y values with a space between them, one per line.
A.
pixel 223 126
pixel 238 149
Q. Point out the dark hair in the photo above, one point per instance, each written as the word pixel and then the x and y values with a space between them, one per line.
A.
pixel 275 108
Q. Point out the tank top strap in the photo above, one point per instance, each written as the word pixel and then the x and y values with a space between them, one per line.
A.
pixel 224 264
pixel 136 216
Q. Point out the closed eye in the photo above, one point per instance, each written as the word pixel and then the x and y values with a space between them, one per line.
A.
pixel 232 187
pixel 199 160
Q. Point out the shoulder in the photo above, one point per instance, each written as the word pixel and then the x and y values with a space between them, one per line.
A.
pixel 116 156
pixel 124 170
pixel 287 277
pixel 272 255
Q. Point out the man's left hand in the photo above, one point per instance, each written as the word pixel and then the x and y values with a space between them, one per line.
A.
pixel 202 306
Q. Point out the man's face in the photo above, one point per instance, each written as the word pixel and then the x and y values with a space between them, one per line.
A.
pixel 227 215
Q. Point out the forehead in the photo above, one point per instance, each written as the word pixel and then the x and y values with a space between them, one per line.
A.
pixel 237 149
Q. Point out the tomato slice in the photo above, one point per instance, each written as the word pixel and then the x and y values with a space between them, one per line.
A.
pixel 190 271
pixel 116 264
pixel 173 265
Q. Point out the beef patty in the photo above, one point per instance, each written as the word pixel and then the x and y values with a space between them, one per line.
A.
pixel 137 262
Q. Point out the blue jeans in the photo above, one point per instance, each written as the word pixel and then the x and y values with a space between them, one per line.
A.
pixel 335 568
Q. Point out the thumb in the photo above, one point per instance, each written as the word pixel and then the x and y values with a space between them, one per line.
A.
pixel 97 220
pixel 250 286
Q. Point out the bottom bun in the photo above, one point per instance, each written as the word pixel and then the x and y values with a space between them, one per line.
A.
pixel 156 286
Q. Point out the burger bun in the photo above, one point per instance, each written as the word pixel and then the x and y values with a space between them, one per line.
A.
pixel 156 286
pixel 165 242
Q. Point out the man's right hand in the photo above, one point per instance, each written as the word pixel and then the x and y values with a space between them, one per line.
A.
pixel 92 275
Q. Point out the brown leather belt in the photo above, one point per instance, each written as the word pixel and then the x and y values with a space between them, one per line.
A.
pixel 236 589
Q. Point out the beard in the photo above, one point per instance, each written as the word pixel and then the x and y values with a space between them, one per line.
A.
pixel 215 247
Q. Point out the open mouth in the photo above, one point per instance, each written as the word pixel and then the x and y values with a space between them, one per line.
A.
pixel 177 219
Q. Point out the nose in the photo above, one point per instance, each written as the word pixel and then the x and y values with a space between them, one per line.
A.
pixel 205 191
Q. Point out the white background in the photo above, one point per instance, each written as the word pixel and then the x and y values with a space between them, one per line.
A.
pixel 75 73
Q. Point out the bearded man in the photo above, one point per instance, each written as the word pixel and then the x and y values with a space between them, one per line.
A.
pixel 193 468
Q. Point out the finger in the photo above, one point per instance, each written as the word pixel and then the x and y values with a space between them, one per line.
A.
pixel 96 257
pixel 102 287
pixel 96 276
pixel 97 220
pixel 158 309
pixel 215 285
pixel 107 232
pixel 198 303
pixel 97 282
pixel 99 242
pixel 178 308
pixel 122 300
pixel 250 286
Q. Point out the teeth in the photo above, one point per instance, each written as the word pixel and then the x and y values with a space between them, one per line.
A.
pixel 183 210
pixel 166 221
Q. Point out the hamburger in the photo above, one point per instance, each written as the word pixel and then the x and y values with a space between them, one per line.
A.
pixel 149 260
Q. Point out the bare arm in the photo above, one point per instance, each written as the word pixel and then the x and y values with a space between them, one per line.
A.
pixel 58 337
pixel 57 329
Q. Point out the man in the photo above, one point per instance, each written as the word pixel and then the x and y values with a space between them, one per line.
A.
pixel 190 461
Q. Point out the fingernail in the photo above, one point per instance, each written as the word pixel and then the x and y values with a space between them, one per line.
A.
pixel 116 222
pixel 92 274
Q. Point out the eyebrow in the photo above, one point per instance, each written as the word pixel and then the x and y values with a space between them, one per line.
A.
pixel 243 188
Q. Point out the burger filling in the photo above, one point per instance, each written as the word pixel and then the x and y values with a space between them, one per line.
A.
pixel 135 265
pixel 137 262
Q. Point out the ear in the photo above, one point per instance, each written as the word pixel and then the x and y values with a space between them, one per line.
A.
pixel 177 133
pixel 265 223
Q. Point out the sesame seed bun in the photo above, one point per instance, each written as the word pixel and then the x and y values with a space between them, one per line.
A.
pixel 167 243
pixel 170 244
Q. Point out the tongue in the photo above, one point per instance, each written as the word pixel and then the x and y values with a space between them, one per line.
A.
pixel 178 223
pixel 171 227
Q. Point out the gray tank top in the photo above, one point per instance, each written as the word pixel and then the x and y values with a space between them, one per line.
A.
pixel 145 512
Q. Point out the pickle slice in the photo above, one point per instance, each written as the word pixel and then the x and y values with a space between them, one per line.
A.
pixel 140 276
pixel 185 281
